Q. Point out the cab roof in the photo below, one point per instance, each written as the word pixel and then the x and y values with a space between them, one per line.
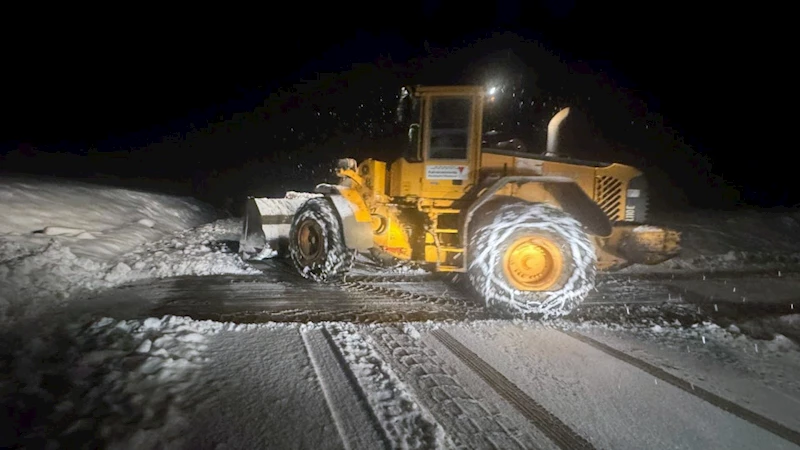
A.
pixel 450 90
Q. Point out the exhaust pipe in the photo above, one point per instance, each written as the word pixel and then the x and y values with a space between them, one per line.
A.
pixel 554 131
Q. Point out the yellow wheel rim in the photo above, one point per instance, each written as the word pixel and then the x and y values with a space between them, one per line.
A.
pixel 533 263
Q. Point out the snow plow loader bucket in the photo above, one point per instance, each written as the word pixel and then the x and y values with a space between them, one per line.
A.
pixel 265 231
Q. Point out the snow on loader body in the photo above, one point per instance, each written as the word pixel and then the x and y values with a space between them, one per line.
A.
pixel 529 230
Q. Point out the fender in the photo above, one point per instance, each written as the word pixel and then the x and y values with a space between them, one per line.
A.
pixel 354 214
pixel 569 195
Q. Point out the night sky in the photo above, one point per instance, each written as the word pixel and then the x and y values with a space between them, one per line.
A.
pixel 122 81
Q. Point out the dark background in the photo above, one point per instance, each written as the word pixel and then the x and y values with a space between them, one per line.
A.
pixel 219 103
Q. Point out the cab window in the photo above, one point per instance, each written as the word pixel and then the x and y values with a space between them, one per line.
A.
pixel 449 128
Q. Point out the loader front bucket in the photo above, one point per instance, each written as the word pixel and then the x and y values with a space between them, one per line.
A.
pixel 265 228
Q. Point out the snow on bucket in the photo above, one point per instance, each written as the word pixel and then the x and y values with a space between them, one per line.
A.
pixel 265 229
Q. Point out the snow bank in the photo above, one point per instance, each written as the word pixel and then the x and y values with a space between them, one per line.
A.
pixel 47 256
pixel 35 282
pixel 93 221
pixel 198 251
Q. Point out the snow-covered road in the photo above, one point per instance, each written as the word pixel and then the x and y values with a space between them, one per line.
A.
pixel 179 383
pixel 278 294
pixel 405 361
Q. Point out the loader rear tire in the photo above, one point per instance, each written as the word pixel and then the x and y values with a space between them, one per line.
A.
pixel 531 260
pixel 316 242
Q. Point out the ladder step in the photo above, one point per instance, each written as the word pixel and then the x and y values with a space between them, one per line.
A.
pixel 446 230
pixel 452 249
pixel 451 269
pixel 444 210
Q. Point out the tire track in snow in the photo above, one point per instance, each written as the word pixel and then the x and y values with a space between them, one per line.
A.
pixel 390 277
pixel 354 419
pixel 470 310
pixel 406 424
pixel 721 403
pixel 470 419
pixel 559 432
pixel 699 273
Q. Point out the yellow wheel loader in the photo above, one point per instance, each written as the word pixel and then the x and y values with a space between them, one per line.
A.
pixel 529 231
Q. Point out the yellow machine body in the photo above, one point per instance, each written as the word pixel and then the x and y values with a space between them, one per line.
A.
pixel 417 207
pixel 420 207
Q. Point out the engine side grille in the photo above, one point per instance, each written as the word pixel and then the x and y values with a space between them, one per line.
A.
pixel 608 194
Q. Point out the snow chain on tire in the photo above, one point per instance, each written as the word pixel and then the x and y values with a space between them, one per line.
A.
pixel 335 258
pixel 493 237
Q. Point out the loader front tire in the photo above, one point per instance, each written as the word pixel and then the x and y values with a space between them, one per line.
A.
pixel 316 242
pixel 531 260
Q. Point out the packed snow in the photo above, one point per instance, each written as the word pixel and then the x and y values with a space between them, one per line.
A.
pixel 757 372
pixel 175 382
pixel 616 405
pixel 114 384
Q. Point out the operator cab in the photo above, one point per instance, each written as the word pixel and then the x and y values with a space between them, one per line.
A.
pixel 444 139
